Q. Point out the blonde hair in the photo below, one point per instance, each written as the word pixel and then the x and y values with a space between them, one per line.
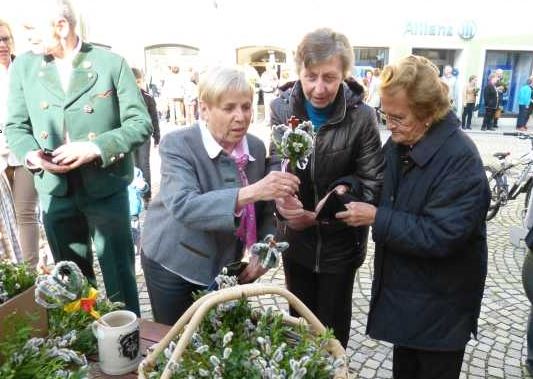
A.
pixel 218 81
pixel 321 45
pixel 11 43
pixel 427 94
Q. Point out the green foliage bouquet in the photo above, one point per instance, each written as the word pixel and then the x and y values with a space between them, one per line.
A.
pixel 39 358
pixel 15 278
pixel 294 142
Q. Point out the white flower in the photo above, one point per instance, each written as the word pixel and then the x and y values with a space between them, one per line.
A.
pixel 227 338
pixel 214 360
pixel 202 349
pixel 254 353
pixel 297 146
pixel 278 353
pixel 227 353
pixel 299 373
pixel 203 372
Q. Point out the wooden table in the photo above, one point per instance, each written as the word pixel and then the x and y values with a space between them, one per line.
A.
pixel 151 332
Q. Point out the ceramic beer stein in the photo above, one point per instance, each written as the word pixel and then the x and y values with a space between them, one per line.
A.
pixel 118 338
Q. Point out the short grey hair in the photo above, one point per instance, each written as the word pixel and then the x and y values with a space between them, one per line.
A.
pixel 216 82
pixel 51 10
pixel 65 9
pixel 321 45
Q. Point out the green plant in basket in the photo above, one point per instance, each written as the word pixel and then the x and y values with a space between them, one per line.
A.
pixel 235 341
pixel 39 358
pixel 15 278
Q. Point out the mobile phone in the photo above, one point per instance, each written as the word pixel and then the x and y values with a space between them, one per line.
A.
pixel 48 152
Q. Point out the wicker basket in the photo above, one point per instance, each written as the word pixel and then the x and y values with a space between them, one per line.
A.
pixel 191 319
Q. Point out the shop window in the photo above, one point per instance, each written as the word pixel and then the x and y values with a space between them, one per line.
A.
pixel 517 67
pixel 369 57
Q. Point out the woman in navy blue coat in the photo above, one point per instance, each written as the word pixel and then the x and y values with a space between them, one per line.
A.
pixel 429 228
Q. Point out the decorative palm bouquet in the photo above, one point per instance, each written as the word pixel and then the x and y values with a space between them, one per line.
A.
pixel 72 303
pixel 294 142
pixel 269 251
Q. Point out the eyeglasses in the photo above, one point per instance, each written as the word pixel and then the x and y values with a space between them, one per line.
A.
pixel 392 119
pixel 5 39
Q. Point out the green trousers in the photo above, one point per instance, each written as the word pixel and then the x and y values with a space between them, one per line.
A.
pixel 75 222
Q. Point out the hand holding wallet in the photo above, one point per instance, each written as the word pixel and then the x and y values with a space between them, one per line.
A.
pixel 334 204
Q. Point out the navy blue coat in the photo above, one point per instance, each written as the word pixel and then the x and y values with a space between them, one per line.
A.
pixel 431 245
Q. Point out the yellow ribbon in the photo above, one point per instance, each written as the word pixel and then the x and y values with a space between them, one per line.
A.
pixel 85 303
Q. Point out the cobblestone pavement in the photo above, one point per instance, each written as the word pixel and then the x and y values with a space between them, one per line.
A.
pixel 500 348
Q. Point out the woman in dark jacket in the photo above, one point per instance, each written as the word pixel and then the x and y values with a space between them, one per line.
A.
pixel 321 261
pixel 429 228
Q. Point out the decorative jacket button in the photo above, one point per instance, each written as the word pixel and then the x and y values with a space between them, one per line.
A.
pixel 40 74
pixel 91 136
pixel 44 135
pixel 121 155
pixel 113 158
pixel 43 105
pixel 88 109
pixel 87 64
pixel 90 74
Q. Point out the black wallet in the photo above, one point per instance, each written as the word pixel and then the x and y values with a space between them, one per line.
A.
pixel 334 204
pixel 235 268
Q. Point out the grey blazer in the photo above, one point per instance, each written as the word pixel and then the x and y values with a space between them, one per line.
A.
pixel 190 225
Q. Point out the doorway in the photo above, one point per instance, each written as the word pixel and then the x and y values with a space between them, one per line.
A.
pixel 440 57
pixel 261 62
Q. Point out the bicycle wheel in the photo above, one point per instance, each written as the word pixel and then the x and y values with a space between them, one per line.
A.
pixel 527 190
pixel 495 192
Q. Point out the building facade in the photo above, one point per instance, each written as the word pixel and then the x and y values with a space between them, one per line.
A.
pixel 473 39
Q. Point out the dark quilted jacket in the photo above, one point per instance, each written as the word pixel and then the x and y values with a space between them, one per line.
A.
pixel 347 150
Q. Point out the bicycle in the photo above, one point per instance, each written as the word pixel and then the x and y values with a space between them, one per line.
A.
pixel 498 178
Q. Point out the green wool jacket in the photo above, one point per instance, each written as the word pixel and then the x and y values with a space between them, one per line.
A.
pixel 103 105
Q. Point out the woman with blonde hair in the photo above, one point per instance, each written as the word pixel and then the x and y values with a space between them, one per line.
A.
pixel 470 97
pixel 429 228
pixel 215 198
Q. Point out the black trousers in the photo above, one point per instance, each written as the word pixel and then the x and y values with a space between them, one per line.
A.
pixel 467 115
pixel 523 116
pixel 410 363
pixel 488 119
pixel 328 296
pixel 170 294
